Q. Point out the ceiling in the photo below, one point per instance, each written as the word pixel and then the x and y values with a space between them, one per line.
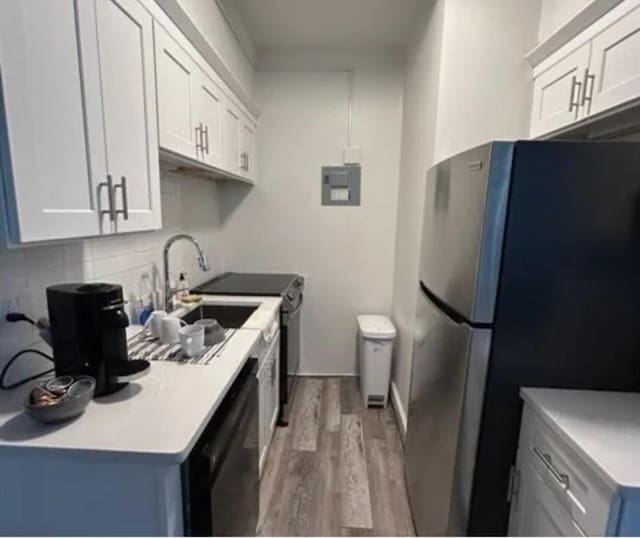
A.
pixel 339 24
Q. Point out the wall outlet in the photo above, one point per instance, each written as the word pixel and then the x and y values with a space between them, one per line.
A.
pixel 8 304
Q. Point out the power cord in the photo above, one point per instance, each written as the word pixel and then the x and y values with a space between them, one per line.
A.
pixel 13 317
pixel 17 384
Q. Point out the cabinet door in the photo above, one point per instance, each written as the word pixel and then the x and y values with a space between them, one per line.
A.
pixel 275 387
pixel 263 389
pixel 534 509
pixel 557 93
pixel 45 157
pixel 232 133
pixel 210 114
pixel 124 33
pixel 615 63
pixel 248 148
pixel 176 77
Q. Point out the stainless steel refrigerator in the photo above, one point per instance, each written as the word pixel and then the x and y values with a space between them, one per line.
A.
pixel 530 276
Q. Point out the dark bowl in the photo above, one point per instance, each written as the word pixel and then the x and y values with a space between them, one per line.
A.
pixel 68 407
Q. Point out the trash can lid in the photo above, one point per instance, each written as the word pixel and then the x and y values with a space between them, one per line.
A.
pixel 379 327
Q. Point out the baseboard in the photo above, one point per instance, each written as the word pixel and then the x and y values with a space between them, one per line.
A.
pixel 401 415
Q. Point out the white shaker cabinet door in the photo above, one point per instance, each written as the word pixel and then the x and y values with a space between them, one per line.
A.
pixel 124 34
pixel 534 509
pixel 557 93
pixel 177 84
pixel 615 64
pixel 232 134
pixel 210 115
pixel 248 149
pixel 50 191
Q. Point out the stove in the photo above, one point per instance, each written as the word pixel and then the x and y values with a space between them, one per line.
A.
pixel 288 286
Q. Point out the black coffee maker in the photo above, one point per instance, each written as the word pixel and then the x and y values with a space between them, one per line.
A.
pixel 88 329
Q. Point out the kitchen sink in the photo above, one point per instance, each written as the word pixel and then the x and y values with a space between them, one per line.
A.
pixel 229 316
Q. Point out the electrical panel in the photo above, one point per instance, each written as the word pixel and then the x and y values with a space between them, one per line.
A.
pixel 341 185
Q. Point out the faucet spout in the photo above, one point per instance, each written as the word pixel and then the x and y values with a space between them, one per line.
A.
pixel 202 263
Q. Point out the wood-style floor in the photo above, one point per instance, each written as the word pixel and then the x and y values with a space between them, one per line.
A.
pixel 337 470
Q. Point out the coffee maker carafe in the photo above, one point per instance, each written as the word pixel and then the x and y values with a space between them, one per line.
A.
pixel 88 329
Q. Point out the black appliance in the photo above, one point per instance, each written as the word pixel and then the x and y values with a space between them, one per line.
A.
pixel 220 483
pixel 529 276
pixel 88 330
pixel 291 288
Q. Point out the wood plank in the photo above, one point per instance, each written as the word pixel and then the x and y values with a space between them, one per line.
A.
pixel 350 397
pixel 331 405
pixel 295 517
pixel 389 504
pixel 354 482
pixel 373 424
pixel 327 497
pixel 347 531
pixel 307 415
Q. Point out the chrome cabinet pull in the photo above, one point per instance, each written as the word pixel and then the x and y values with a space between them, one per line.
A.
pixel 206 136
pixel 125 199
pixel 589 81
pixel 574 100
pixel 199 145
pixel 562 478
pixel 109 185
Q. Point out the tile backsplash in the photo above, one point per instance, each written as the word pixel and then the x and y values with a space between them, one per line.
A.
pixel 189 205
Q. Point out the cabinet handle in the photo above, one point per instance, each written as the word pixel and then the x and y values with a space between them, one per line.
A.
pixel 109 185
pixel 199 145
pixel 589 81
pixel 574 100
pixel 125 199
pixel 206 136
pixel 562 478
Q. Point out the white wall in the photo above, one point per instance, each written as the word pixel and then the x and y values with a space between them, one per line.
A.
pixel 554 13
pixel 418 145
pixel 467 83
pixel 346 253
pixel 189 205
pixel 210 20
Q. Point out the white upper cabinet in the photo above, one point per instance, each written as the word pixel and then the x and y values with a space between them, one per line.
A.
pixel 50 191
pixel 176 77
pixel 210 114
pixel 124 33
pixel 232 134
pixel 557 93
pixel 615 64
pixel 198 120
pixel 80 150
pixel 248 149
pixel 595 72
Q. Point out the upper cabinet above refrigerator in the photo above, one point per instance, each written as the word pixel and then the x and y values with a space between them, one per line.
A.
pixel 79 147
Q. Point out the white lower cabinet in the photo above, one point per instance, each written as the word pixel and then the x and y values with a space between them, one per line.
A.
pixel 79 147
pixel 535 511
pixel 268 397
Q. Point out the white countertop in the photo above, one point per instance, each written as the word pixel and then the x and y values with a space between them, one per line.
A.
pixel 158 417
pixel 602 427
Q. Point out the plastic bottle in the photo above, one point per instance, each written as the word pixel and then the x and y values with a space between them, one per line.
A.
pixel 182 289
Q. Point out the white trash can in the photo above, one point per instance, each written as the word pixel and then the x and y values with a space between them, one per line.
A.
pixel 375 347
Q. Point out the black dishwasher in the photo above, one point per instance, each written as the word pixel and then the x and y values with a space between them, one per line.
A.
pixel 220 477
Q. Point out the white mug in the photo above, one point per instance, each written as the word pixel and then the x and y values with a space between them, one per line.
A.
pixel 155 322
pixel 170 330
pixel 192 339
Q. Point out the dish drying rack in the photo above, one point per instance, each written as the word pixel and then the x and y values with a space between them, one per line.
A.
pixel 146 346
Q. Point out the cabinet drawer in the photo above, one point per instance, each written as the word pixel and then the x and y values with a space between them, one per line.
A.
pixel 585 497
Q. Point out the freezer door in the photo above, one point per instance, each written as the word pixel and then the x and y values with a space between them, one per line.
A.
pixel 464 217
pixel 447 390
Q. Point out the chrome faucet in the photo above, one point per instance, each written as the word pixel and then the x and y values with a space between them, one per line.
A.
pixel 202 262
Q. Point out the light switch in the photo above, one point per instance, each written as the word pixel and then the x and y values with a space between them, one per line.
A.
pixel 339 195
